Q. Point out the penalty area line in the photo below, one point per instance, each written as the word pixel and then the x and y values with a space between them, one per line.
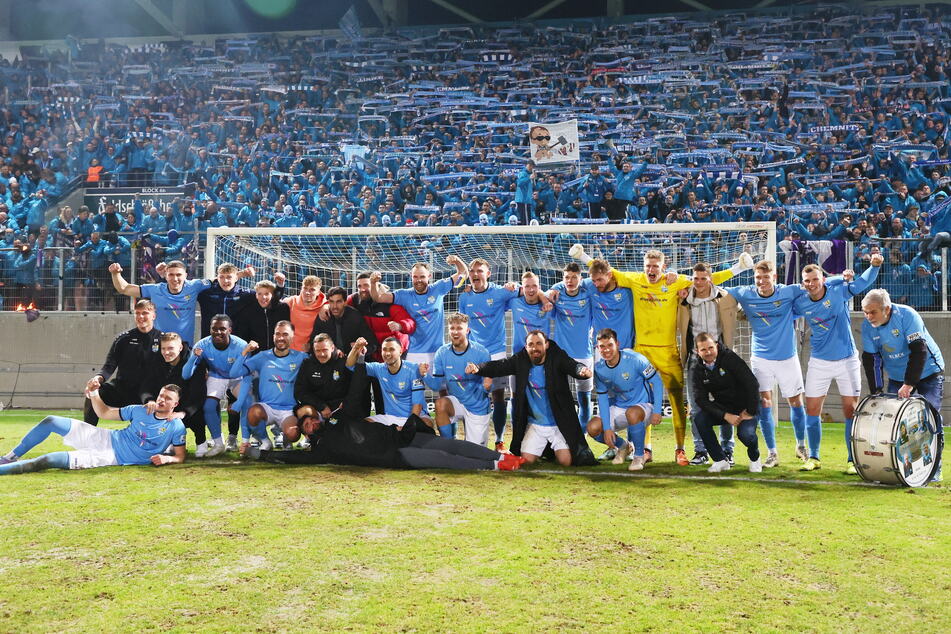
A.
pixel 734 478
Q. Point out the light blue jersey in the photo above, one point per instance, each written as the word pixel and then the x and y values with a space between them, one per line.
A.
pixel 631 382
pixel 175 312
pixel 538 404
pixel 219 361
pixel 145 436
pixel 276 375
pixel 573 321
pixel 449 368
pixel 771 319
pixel 486 312
pixel 891 340
pixel 614 310
pixel 427 310
pixel 526 318
pixel 401 390
pixel 829 318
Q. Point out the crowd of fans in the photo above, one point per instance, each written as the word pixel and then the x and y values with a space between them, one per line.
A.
pixel 833 123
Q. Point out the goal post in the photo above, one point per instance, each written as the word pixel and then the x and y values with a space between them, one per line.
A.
pixel 337 255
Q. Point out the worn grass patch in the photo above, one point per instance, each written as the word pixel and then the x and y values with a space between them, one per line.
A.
pixel 226 546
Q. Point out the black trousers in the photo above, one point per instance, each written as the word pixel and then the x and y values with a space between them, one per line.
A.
pixel 745 431
pixel 113 396
pixel 427 451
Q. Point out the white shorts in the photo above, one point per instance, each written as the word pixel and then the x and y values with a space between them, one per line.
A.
pixel 388 419
pixel 421 357
pixel 476 425
pixel 93 446
pixel 537 436
pixel 847 374
pixel 499 382
pixel 275 416
pixel 619 416
pixel 786 373
pixel 583 385
pixel 216 387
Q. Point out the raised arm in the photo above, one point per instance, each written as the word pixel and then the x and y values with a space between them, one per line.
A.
pixel 376 292
pixel 358 348
pixel 102 410
pixel 238 368
pixel 122 287
pixel 461 271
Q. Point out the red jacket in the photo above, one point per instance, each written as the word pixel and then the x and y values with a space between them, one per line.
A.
pixel 378 316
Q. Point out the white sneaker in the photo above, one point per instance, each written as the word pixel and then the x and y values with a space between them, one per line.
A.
pixel 756 467
pixel 772 460
pixel 266 445
pixel 621 454
pixel 718 466
pixel 637 464
pixel 216 449
pixel 202 450
pixel 304 442
pixel 232 444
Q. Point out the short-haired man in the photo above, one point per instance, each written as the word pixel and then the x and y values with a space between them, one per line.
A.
pixel 630 396
pixel 304 308
pixel 572 317
pixel 175 299
pixel 256 320
pixel 401 382
pixel 774 360
pixel 216 354
pixel 485 304
pixel 895 339
pixel 385 320
pixel 424 303
pixel 834 355
pixel 467 399
pixel 543 412
pixel 130 356
pixel 152 429
pixel 710 309
pixel 224 296
pixel 277 370
pixel 726 392
pixel 168 371
pixel 345 324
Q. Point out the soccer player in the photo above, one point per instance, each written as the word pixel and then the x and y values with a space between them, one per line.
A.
pixel 132 353
pixel 400 381
pixel 277 370
pixel 655 299
pixel 467 399
pixel 725 392
pixel 628 380
pixel 894 339
pixel 834 355
pixel 424 303
pixel 152 429
pixel 216 353
pixel 543 412
pixel 224 296
pixel 572 317
pixel 768 308
pixel 485 305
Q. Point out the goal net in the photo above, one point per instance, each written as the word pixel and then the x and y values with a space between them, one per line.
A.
pixel 338 255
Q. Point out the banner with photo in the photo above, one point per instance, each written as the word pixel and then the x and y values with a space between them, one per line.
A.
pixel 552 144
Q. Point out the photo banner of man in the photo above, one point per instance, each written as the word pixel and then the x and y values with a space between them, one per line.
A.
pixel 554 143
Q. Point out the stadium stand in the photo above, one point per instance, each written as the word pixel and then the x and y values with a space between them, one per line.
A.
pixel 832 122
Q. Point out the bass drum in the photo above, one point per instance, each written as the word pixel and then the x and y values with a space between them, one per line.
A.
pixel 895 440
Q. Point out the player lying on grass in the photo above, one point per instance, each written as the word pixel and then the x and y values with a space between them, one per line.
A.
pixel 152 429
pixel 365 443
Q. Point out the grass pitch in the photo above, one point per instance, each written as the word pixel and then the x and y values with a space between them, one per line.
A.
pixel 220 545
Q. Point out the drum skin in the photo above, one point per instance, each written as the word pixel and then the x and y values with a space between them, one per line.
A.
pixel 896 441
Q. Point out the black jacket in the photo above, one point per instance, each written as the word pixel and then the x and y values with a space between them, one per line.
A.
pixel 345 330
pixel 331 385
pixel 730 383
pixel 253 323
pixel 214 301
pixel 160 373
pixel 558 367
pixel 131 355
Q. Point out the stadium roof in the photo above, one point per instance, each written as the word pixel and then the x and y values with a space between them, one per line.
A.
pixel 29 20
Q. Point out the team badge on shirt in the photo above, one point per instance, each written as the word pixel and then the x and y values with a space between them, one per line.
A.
pixel 617 297
pixel 402 385
pixel 430 300
pixel 827 303
pixel 895 332
pixel 155 347
pixel 292 366
pixel 490 301
pixel 582 302
pixel 625 376
pixel 336 376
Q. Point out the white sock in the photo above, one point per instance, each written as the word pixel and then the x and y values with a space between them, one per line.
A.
pixel 12 456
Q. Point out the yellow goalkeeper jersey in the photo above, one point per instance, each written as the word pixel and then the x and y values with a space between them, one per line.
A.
pixel 655 305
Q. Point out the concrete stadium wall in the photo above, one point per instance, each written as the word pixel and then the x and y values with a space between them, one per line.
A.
pixel 45 364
